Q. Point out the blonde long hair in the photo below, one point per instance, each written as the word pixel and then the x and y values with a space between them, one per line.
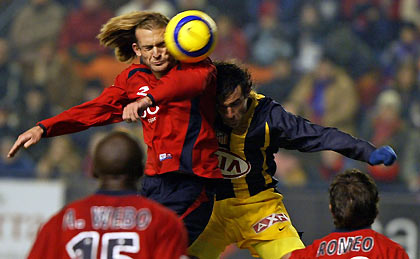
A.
pixel 119 32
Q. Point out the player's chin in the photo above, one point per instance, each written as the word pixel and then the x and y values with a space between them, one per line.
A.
pixel 161 67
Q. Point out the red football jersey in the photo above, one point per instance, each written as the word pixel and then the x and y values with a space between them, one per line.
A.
pixel 178 130
pixel 112 226
pixel 364 243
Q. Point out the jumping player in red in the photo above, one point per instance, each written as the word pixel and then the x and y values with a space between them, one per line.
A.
pixel 115 221
pixel 354 206
pixel 178 103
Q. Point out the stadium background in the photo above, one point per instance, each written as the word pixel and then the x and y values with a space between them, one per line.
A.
pixel 351 64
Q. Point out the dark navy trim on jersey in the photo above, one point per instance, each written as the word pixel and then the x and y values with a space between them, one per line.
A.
pixel 194 127
pixel 288 131
pixel 44 133
pixel 341 230
pixel 152 98
pixel 141 69
pixel 117 193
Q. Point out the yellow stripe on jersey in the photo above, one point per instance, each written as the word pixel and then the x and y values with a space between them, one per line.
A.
pixel 237 146
pixel 267 176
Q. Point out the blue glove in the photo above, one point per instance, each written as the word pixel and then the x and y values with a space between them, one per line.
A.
pixel 384 154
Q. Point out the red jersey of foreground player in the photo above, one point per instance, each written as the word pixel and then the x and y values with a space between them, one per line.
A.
pixel 108 225
pixel 354 199
pixel 177 131
pixel 364 243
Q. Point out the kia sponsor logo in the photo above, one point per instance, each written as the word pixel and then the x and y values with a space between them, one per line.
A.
pixel 232 165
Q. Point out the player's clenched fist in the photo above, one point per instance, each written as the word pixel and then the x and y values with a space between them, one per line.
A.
pixel 133 111
pixel 26 139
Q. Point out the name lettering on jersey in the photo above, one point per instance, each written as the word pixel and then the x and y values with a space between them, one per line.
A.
pixel 345 245
pixel 108 217
pixel 164 156
pixel 70 221
pixel 268 221
pixel 232 165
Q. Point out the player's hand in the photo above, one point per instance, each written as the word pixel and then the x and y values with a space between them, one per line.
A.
pixel 26 139
pixel 383 155
pixel 134 110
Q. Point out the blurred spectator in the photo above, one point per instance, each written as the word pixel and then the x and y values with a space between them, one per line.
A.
pixel 373 25
pixel 280 80
pixel 410 162
pixel 35 107
pixel 384 126
pixel 19 166
pixel 161 6
pixel 48 76
pixel 311 33
pixel 231 42
pixel 348 51
pixel 81 43
pixel 266 38
pixel 406 85
pixel 404 49
pixel 289 171
pixel 38 22
pixel 9 122
pixel 10 76
pixel 410 11
pixel 326 96
pixel 331 163
pixel 61 160
pixel 183 5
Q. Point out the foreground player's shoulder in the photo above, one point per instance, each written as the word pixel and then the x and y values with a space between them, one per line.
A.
pixel 389 247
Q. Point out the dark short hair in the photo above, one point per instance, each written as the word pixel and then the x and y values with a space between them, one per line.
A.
pixel 118 154
pixel 229 76
pixel 354 199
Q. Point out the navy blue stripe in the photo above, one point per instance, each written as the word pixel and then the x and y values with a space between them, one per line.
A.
pixel 254 141
pixel 194 127
pixel 142 69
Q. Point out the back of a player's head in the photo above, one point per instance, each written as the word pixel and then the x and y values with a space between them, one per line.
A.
pixel 353 199
pixel 118 154
pixel 229 76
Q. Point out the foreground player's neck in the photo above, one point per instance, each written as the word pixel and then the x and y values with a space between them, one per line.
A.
pixel 120 183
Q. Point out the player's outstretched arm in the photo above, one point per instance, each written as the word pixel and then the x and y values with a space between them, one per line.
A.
pixel 26 139
pixel 383 155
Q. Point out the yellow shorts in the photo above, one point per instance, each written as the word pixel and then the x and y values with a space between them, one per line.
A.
pixel 259 223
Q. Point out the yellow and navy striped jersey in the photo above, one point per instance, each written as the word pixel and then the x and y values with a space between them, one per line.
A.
pixel 247 158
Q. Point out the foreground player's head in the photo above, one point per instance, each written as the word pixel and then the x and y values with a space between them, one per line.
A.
pixel 233 87
pixel 139 34
pixel 118 162
pixel 353 200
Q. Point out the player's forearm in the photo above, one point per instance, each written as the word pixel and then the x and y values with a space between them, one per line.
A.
pixel 185 83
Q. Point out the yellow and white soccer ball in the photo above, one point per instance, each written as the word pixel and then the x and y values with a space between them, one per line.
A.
pixel 191 36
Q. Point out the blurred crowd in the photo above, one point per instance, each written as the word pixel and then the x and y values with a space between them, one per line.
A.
pixel 350 64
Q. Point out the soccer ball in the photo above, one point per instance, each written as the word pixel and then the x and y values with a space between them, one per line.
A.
pixel 191 36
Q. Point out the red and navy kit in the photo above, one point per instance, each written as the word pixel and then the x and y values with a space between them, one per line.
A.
pixel 365 243
pixel 181 165
pixel 112 225
pixel 177 130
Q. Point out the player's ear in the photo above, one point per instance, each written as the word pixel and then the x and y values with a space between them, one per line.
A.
pixel 136 48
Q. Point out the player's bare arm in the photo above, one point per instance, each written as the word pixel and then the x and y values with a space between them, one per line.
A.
pixel 26 139
pixel 131 111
